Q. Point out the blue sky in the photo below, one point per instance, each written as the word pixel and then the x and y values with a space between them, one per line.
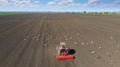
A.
pixel 60 5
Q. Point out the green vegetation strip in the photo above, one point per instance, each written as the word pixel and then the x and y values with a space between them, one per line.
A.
pixel 5 13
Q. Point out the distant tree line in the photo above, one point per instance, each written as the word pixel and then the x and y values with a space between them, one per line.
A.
pixel 104 13
pixel 95 13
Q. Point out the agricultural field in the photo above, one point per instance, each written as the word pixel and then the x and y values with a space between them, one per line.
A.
pixel 30 40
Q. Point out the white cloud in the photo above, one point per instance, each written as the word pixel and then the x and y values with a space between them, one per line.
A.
pixel 57 4
pixel 92 1
pixel 114 3
pixel 14 0
pixel 108 5
pixel 60 2
pixel 117 2
pixel 51 3
pixel 65 2
pixel 71 3
pixel 23 4
pixel 26 1
pixel 3 2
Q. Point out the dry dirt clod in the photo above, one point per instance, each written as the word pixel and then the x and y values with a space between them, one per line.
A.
pixel 92 52
pixel 78 34
pixel 82 44
pixel 45 45
pixel 116 51
pixel 33 37
pixel 108 54
pixel 100 47
pixel 25 39
pixel 37 39
pixel 70 38
pixel 111 37
pixel 75 42
pixel 91 42
pixel 117 45
pixel 87 43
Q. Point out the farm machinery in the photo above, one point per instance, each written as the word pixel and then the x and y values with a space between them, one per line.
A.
pixel 64 53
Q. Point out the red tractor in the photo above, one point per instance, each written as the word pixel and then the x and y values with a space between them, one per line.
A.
pixel 63 52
